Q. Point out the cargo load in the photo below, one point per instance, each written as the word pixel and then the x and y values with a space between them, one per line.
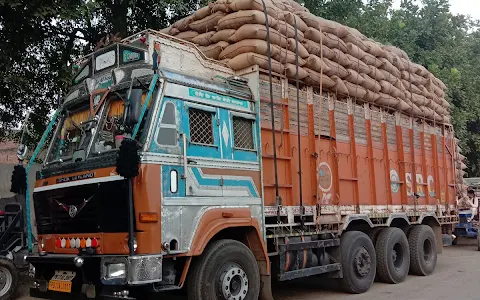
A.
pixel 356 66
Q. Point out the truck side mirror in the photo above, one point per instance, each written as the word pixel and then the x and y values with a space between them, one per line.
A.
pixel 134 107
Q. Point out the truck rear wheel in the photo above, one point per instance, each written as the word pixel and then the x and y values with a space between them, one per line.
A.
pixel 357 256
pixel 423 250
pixel 8 279
pixel 227 270
pixel 393 255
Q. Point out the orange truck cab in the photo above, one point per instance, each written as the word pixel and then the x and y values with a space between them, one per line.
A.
pixel 216 206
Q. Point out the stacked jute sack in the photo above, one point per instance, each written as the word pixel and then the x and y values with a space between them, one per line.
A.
pixel 460 166
pixel 337 57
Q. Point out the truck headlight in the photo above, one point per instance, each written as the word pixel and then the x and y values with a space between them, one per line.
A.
pixel 115 271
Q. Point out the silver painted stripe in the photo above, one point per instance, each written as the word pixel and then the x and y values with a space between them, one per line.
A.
pixel 77 183
pixel 200 162
pixel 206 201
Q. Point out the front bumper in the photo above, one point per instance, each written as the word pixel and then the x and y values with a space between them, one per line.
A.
pixel 93 280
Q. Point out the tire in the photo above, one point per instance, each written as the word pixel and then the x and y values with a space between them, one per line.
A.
pixel 8 279
pixel 357 256
pixel 210 280
pixel 393 255
pixel 423 250
pixel 373 234
pixel 455 241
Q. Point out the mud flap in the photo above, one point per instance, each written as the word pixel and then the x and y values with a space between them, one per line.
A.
pixel 265 288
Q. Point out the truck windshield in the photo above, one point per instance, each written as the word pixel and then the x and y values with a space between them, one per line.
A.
pixel 73 135
pixel 73 140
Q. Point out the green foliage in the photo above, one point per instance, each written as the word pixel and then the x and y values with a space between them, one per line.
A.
pixel 40 39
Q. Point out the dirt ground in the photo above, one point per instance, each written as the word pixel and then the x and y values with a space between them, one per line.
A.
pixel 456 277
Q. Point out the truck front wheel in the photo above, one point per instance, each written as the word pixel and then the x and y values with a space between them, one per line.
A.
pixel 227 270
pixel 8 279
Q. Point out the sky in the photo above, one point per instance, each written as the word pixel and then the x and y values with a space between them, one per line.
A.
pixel 464 7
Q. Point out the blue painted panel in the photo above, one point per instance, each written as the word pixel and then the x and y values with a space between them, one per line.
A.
pixel 226 182
pixel 245 155
pixel 226 134
pixel 166 176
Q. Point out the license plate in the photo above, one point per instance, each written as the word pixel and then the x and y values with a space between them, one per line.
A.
pixel 61 281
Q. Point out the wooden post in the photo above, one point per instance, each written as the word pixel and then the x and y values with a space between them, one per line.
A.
pixel 371 166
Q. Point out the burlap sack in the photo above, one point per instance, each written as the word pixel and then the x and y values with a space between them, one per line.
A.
pixel 187 35
pixel 166 30
pixel 355 91
pixel 203 39
pixel 314 35
pixel 313 79
pixel 371 96
pixel 221 5
pixel 335 69
pixel 288 30
pixel 302 51
pixel 341 58
pixel 422 71
pixel 387 100
pixel 202 13
pixel 279 4
pixel 291 71
pixel 257 31
pixel 396 51
pixel 437 100
pixel 413 109
pixel 208 23
pixel 222 35
pixel 425 92
pixel 357 34
pixel 355 51
pixel 354 77
pixel 352 39
pixel 245 46
pixel 374 49
pixel 183 24
pixel 237 19
pixel 431 87
pixel 291 18
pixel 357 64
pixel 173 31
pixel 326 26
pixel 333 41
pixel 314 48
pixel 411 87
pixel 286 56
pixel 375 73
pixel 402 105
pixel 296 7
pixel 371 84
pixel 445 103
pixel 387 66
pixel 246 60
pixel 272 10
pixel 388 76
pixel 388 88
pixel 413 78
pixel 225 61
pixel 369 59
pixel 339 87
pixel 213 51
pixel 316 64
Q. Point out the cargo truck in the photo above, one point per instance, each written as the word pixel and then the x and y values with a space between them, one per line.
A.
pixel 244 179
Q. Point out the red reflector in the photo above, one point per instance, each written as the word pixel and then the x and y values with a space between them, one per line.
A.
pixel 94 243
pixel 59 243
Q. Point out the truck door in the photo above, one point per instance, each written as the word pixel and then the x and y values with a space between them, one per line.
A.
pixel 200 145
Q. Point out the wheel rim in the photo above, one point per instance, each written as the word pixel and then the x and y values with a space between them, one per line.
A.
pixel 5 281
pixel 362 262
pixel 398 255
pixel 234 283
pixel 427 251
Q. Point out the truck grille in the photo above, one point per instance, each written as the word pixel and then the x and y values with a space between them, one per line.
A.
pixel 105 209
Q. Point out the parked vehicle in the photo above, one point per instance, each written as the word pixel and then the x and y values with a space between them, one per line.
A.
pixel 228 197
